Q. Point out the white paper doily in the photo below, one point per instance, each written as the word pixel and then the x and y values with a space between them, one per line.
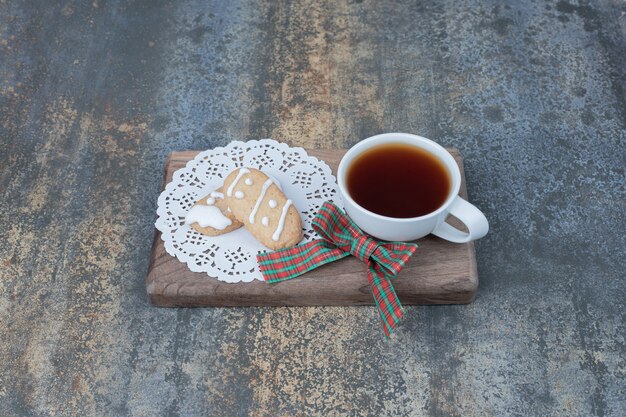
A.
pixel 231 257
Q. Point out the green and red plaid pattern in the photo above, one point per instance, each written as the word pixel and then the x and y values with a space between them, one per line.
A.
pixel 340 237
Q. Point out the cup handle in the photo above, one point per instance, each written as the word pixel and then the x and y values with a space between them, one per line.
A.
pixel 473 218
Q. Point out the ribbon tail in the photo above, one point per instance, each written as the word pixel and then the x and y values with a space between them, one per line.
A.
pixel 387 301
pixel 292 262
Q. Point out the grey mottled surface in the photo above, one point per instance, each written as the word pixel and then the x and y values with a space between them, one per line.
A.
pixel 94 95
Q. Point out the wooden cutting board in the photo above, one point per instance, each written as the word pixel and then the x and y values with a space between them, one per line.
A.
pixel 439 272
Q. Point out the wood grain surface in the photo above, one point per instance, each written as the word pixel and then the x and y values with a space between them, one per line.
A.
pixel 439 272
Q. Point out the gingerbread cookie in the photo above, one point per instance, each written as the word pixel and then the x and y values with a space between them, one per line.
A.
pixel 210 215
pixel 257 201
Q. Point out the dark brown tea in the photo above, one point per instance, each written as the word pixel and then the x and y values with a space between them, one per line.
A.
pixel 398 180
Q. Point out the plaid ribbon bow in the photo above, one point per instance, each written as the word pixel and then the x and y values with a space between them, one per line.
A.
pixel 340 238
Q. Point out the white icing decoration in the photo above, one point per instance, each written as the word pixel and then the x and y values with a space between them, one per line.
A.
pixel 265 221
pixel 240 174
pixel 209 216
pixel 215 194
pixel 272 203
pixel 266 185
pixel 281 222
pixel 249 181
pixel 210 201
pixel 274 180
pixel 239 195
pixel 228 208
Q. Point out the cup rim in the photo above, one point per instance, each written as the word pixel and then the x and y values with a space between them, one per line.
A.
pixel 352 153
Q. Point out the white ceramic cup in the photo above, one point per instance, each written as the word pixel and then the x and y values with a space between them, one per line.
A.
pixel 403 229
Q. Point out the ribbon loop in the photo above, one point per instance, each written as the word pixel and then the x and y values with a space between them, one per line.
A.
pixel 340 237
